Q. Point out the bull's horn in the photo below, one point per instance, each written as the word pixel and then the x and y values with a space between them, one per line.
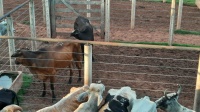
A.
pixel 179 89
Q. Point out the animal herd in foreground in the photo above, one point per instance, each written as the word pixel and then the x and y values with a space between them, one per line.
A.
pixel 90 99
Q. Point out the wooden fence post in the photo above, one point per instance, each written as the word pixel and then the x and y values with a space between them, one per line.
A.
pixel 172 18
pixel 1 8
pixel 44 11
pixel 197 90
pixel 32 24
pixel 107 19
pixel 88 8
pixel 87 64
pixel 102 18
pixel 11 42
pixel 133 7
pixel 48 23
pixel 179 17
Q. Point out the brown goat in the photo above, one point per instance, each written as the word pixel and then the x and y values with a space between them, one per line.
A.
pixel 46 61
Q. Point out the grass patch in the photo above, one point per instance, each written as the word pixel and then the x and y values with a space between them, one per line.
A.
pixel 159 43
pixel 27 80
pixel 185 2
pixel 184 32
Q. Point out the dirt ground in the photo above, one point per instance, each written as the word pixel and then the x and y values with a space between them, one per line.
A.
pixel 148 71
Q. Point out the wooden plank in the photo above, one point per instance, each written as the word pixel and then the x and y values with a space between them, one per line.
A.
pixel 172 18
pixel 80 2
pixel 70 7
pixel 1 8
pixel 71 26
pixel 107 22
pixel 48 23
pixel 88 8
pixel 53 19
pixel 32 24
pixel 73 18
pixel 87 64
pixel 197 90
pixel 179 17
pixel 133 7
pixel 11 42
pixel 102 18
pixel 78 10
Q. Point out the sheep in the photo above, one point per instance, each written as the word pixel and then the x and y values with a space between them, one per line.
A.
pixel 12 108
pixel 169 102
pixel 48 60
pixel 83 30
pixel 68 103
pixel 94 95
pixel 197 2
pixel 118 100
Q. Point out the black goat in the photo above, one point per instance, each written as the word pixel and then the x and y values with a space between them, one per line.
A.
pixel 83 30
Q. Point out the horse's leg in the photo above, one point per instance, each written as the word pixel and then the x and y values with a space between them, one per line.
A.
pixel 79 66
pixel 52 80
pixel 44 88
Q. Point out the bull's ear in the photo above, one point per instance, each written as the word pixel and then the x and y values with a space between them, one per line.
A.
pixel 17 53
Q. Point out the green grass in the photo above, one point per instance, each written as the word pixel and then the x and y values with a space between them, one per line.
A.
pixel 160 43
pixel 184 32
pixel 27 80
pixel 185 2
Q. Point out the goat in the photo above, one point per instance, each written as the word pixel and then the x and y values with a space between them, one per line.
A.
pixel 83 30
pixel 11 108
pixel 46 61
pixel 169 102
pixel 118 100
pixel 94 95
pixel 68 103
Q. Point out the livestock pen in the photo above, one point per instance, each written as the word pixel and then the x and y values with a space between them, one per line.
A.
pixel 146 69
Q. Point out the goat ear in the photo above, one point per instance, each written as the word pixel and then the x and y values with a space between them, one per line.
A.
pixel 100 98
pixel 82 97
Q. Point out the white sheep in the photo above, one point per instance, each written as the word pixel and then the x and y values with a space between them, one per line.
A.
pixel 12 108
pixel 94 95
pixel 197 2
pixel 120 100
pixel 68 103
pixel 169 103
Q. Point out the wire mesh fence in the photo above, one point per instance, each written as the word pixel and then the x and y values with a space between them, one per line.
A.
pixel 152 21
pixel 147 71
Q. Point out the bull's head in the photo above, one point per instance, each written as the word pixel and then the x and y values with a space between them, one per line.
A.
pixel 19 55
pixel 167 99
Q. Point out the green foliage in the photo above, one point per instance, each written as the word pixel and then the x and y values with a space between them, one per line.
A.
pixel 183 32
pixel 27 80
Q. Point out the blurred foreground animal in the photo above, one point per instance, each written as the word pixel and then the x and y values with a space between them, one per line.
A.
pixel 94 95
pixel 45 62
pixel 119 100
pixel 67 104
pixel 83 30
pixel 169 102
pixel 11 108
